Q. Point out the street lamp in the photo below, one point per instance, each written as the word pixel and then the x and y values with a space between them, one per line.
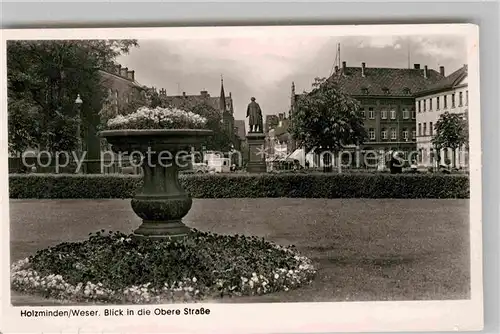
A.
pixel 78 103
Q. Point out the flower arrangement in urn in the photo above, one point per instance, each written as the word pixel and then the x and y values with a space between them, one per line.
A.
pixel 157 118
pixel 163 137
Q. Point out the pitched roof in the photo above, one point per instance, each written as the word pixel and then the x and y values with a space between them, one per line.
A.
pixel 193 100
pixel 386 81
pixel 240 125
pixel 448 82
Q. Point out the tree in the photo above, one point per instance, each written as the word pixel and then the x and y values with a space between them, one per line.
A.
pixel 451 132
pixel 327 119
pixel 44 78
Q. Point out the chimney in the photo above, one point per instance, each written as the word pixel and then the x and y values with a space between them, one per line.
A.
pixel 118 69
pixel 344 65
pixel 123 72
pixel 363 68
pixel 416 66
pixel 131 75
pixel 425 71
pixel 441 70
pixel 281 116
pixel 184 94
pixel 204 93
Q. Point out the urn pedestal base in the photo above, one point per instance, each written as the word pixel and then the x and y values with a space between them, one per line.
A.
pixel 171 229
pixel 257 153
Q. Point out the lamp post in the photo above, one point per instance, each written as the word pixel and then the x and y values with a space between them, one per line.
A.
pixel 78 103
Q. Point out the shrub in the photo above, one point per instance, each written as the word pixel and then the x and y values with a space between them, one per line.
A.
pixel 248 186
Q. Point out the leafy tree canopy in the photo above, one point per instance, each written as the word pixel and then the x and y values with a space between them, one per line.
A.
pixel 451 131
pixel 44 79
pixel 327 118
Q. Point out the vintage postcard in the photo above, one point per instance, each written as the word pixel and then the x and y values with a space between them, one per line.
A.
pixel 285 179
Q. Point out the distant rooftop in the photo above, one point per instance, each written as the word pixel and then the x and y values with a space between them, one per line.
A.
pixel 382 81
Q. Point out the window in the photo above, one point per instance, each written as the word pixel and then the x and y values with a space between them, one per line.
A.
pixel 406 91
pixel 406 113
pixel 280 124
pixel 384 134
pixel 393 134
pixel 362 112
pixel 418 106
pixel 453 100
pixel 384 114
pixel 419 129
pixel 405 134
pixel 425 105
pixel 413 134
pixel 466 97
pixel 430 104
pixel 445 101
pixel 431 129
pixel 425 129
pixel 393 114
pixel 371 113
pixel 364 90
pixel 437 102
pixel 413 114
pixel 371 133
pixel 460 99
pixel 385 90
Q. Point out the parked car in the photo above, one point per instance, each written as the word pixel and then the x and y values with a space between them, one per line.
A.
pixel 200 167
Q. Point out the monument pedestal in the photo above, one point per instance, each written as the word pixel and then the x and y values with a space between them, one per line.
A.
pixel 257 152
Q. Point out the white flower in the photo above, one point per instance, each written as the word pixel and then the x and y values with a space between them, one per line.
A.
pixel 194 280
pixel 276 276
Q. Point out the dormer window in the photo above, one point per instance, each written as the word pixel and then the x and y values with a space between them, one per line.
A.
pixel 364 90
pixel 406 91
pixel 385 90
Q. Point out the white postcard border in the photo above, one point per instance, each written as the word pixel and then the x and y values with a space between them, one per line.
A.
pixel 280 317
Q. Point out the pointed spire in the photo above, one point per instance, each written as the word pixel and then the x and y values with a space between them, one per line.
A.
pixel 222 98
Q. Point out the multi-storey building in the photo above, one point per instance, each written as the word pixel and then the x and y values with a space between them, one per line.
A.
pixel 222 103
pixel 121 86
pixel 278 138
pixel 387 98
pixel 448 95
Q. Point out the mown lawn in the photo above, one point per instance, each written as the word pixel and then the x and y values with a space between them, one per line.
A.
pixel 365 249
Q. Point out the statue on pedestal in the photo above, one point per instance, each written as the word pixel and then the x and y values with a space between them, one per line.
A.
pixel 254 113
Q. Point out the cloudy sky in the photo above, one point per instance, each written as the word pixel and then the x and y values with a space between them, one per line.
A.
pixel 266 67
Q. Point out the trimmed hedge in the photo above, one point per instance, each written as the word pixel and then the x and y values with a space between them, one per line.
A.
pixel 248 186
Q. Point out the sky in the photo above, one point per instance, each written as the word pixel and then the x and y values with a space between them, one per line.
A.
pixel 266 67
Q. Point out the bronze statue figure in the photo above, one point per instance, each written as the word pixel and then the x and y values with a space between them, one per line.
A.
pixel 255 116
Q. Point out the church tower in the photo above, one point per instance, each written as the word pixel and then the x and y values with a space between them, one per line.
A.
pixel 222 97
pixel 227 117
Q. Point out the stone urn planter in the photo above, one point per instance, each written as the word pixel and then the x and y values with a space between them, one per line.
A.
pixel 162 202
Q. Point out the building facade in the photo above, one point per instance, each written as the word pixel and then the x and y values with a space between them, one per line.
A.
pixel 278 139
pixel 387 104
pixel 122 87
pixel 449 95
pixel 222 103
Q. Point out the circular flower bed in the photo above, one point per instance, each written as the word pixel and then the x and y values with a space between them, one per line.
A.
pixel 116 268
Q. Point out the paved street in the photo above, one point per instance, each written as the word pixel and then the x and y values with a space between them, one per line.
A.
pixel 365 249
